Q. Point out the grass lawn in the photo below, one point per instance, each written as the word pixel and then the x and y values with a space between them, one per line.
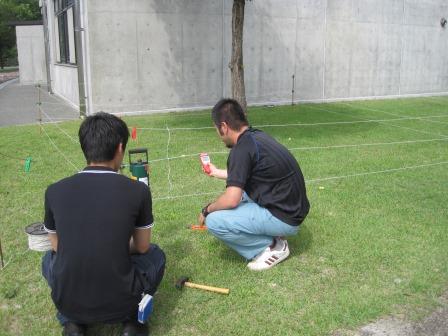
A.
pixel 9 69
pixel 374 243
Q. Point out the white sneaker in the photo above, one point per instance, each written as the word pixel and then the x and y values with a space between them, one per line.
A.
pixel 270 256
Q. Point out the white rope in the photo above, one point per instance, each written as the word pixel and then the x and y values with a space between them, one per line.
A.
pixel 368 144
pixel 376 172
pixel 404 142
pixel 396 115
pixel 384 121
pixel 183 156
pixel 40 243
pixel 6 264
pixel 169 164
pixel 302 124
pixel 434 121
pixel 57 148
pixel 320 179
pixel 188 195
pixel 75 141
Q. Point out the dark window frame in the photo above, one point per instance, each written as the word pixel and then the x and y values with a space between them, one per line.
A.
pixel 61 9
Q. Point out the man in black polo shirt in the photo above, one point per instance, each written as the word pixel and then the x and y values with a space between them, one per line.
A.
pixel 99 224
pixel 265 197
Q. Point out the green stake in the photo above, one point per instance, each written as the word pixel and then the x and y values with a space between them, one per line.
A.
pixel 28 164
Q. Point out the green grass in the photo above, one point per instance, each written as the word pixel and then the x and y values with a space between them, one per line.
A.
pixel 372 245
pixel 9 69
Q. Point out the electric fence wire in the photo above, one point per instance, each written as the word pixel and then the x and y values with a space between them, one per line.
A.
pixel 167 158
pixel 59 150
pixel 396 115
pixel 323 179
pixel 384 121
pixel 38 239
pixel 168 161
pixel 304 148
pixel 72 139
pixel 330 123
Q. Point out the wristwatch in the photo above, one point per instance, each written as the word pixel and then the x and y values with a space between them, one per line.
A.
pixel 204 211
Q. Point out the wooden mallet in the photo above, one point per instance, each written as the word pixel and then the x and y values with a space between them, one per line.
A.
pixel 183 281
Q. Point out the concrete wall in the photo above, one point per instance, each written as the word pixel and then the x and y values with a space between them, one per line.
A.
pixel 31 54
pixel 148 55
pixel 64 77
pixel 65 83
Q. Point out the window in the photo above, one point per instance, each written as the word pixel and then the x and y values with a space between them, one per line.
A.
pixel 65 31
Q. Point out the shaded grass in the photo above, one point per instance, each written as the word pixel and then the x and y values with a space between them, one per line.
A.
pixel 370 246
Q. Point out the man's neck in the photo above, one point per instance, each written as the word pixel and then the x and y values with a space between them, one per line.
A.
pixel 237 134
pixel 109 164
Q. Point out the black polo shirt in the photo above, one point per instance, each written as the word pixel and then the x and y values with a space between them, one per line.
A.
pixel 94 214
pixel 269 174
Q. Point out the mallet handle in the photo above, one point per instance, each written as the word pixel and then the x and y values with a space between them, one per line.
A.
pixel 207 288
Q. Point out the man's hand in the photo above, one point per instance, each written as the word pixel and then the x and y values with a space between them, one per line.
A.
pixel 215 172
pixel 229 200
pixel 201 219
pixel 54 241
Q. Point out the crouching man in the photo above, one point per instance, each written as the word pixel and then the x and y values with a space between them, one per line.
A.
pixel 99 224
pixel 265 198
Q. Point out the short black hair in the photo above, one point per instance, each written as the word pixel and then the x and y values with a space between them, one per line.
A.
pixel 229 111
pixel 100 135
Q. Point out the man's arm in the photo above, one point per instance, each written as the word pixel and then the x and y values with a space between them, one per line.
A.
pixel 218 173
pixel 53 240
pixel 140 241
pixel 229 200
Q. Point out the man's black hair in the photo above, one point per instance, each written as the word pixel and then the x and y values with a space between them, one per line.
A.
pixel 100 135
pixel 229 111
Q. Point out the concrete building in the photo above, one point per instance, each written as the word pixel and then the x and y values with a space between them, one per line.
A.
pixel 30 52
pixel 152 55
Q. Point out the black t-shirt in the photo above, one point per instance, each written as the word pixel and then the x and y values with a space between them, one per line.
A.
pixel 270 175
pixel 94 214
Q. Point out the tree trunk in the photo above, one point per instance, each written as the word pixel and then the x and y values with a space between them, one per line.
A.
pixel 236 63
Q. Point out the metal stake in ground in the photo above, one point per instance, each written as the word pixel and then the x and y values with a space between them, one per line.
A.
pixel 1 254
pixel 39 108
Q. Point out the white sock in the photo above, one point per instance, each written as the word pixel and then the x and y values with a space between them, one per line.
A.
pixel 279 244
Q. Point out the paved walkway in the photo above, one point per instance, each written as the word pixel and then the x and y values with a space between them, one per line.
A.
pixel 6 76
pixel 18 105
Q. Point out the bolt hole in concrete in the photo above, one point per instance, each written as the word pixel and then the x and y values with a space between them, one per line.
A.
pixel 443 22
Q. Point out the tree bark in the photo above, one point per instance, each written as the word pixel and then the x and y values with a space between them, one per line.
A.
pixel 236 63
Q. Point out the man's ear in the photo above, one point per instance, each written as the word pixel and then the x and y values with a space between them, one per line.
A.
pixel 224 128
pixel 120 149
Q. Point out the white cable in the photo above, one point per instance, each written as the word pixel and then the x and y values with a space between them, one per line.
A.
pixel 39 243
pixel 384 121
pixel 368 144
pixel 38 239
pixel 57 148
pixel 321 179
pixel 188 195
pixel 404 142
pixel 75 141
pixel 396 115
pixel 169 164
pixel 302 124
pixel 376 172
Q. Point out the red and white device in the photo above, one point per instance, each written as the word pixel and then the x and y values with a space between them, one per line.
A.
pixel 205 161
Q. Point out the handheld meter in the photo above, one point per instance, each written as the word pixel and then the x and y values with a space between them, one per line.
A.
pixel 205 161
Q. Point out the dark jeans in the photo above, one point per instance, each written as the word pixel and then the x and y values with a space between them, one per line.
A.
pixel 151 265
